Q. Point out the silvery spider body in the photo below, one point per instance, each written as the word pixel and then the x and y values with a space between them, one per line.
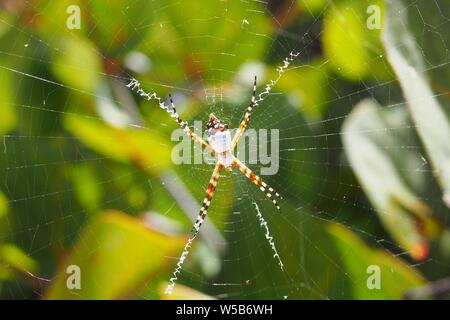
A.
pixel 219 138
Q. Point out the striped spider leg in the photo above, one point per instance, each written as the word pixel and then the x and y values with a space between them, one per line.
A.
pixel 246 119
pixel 256 99
pixel 197 225
pixel 184 125
pixel 264 187
pixel 135 85
pixel 213 124
pixel 219 144
pixel 220 139
pixel 207 200
pixel 268 191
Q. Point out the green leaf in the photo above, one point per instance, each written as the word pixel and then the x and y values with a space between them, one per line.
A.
pixel 14 258
pixel 4 205
pixel 117 255
pixel 434 42
pixel 88 190
pixel 309 86
pixel 235 33
pixel 380 167
pixel 395 275
pixel 53 16
pixel 8 19
pixel 430 118
pixel 116 27
pixel 4 221
pixel 144 148
pixel 121 24
pixel 8 118
pixel 353 50
pixel 77 63
pixel 312 6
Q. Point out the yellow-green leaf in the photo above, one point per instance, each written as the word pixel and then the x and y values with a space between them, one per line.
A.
pixel 4 221
pixel 362 262
pixel 117 255
pixel 368 146
pixel 353 49
pixel 236 33
pixel 144 148
pixel 8 118
pixel 312 6
pixel 14 258
pixel 309 86
pixel 430 118
pixel 77 63
pixel 88 191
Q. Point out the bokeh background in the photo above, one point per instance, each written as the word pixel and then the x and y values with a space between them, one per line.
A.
pixel 86 171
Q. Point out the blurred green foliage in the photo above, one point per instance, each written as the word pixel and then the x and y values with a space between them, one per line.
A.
pixel 100 253
pixel 381 172
pixel 352 48
pixel 84 166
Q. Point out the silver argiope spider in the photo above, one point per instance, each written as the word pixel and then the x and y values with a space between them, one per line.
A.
pixel 222 146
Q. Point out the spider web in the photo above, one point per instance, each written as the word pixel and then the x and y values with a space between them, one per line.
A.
pixel 234 257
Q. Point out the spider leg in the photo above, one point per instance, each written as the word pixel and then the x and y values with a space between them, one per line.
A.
pixel 184 125
pixel 207 200
pixel 264 187
pixel 196 228
pixel 261 96
pixel 135 85
pixel 246 120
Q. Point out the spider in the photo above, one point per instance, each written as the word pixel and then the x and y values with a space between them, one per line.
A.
pixel 219 144
pixel 222 146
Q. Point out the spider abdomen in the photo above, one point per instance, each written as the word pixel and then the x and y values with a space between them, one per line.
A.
pixel 220 141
